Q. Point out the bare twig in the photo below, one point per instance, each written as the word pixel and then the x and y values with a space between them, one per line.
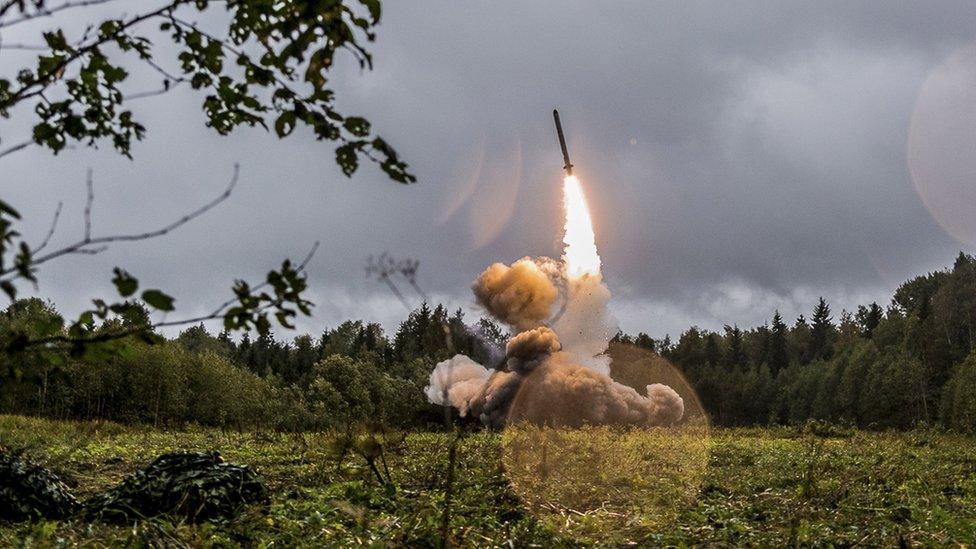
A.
pixel 50 231
pixel 170 81
pixel 301 267
pixel 385 268
pixel 23 47
pixel 153 93
pixel 16 148
pixel 166 74
pixel 449 489
pixel 91 245
pixel 47 12
pixel 89 200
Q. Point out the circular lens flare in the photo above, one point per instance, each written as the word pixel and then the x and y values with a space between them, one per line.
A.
pixel 607 484
pixel 941 141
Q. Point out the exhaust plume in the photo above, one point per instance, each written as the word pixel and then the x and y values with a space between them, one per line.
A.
pixel 580 253
pixel 556 369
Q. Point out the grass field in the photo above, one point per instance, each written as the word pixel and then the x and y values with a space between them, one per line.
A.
pixel 745 486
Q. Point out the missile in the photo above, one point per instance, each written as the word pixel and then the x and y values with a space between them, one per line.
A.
pixel 562 143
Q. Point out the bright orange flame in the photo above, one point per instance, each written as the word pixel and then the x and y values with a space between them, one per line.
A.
pixel 580 253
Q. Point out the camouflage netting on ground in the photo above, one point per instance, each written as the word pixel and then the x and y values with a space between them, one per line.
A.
pixel 29 491
pixel 194 486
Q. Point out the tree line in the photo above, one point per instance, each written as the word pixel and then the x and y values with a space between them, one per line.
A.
pixel 350 374
pixel 910 363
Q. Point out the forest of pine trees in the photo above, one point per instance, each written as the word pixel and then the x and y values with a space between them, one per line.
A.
pixel 910 363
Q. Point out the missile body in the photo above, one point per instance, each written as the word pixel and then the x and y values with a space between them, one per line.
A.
pixel 562 143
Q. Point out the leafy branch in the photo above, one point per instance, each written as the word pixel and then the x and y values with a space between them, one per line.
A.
pixel 283 52
pixel 270 69
pixel 40 10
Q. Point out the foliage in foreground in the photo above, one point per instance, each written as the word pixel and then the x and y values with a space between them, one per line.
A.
pixel 766 487
pixel 256 64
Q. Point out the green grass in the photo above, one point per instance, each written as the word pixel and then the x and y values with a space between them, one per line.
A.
pixel 765 487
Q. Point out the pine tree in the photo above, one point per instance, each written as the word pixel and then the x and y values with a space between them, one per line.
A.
pixel 735 355
pixel 820 332
pixel 868 319
pixel 667 347
pixel 778 353
pixel 242 356
pixel 713 354
pixel 798 340
pixel 302 357
pixel 227 345
pixel 645 342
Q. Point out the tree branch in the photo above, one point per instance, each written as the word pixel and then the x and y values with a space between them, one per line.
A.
pixel 301 267
pixel 23 47
pixel 47 12
pixel 43 80
pixel 89 200
pixel 50 232
pixel 153 93
pixel 115 335
pixel 16 148
pixel 93 245
pixel 385 267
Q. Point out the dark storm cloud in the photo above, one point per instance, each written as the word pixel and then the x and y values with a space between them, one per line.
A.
pixel 739 157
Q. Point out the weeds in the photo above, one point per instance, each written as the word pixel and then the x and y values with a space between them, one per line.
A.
pixel 871 489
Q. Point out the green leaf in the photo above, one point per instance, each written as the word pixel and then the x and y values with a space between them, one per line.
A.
pixel 374 9
pixel 7 209
pixel 357 126
pixel 125 283
pixel 158 300
pixel 86 318
pixel 347 158
pixel 56 40
pixel 285 123
pixel 9 289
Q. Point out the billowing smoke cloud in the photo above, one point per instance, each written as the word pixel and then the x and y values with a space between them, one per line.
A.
pixel 520 296
pixel 530 346
pixel 456 382
pixel 556 369
pixel 560 392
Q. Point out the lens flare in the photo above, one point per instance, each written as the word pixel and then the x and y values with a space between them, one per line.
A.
pixel 941 142
pixel 580 253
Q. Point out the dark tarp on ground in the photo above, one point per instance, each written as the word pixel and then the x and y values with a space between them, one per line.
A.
pixel 194 486
pixel 29 491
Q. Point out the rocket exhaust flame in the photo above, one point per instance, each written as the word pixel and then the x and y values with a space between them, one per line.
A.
pixel 580 253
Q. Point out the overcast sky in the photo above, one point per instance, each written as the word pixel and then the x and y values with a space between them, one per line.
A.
pixel 738 157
